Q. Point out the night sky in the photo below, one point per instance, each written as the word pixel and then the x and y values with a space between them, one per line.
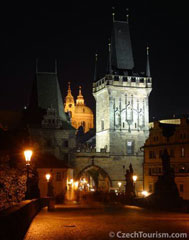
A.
pixel 72 33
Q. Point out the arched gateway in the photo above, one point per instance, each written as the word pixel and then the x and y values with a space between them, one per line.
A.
pixel 93 177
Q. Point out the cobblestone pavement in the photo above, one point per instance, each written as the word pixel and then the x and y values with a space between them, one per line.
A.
pixel 73 222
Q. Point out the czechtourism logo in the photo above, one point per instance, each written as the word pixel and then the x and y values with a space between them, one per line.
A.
pixel 141 234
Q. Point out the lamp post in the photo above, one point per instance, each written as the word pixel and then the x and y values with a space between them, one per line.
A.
pixel 119 185
pixel 134 180
pixel 28 154
pixel 48 176
pixel 50 194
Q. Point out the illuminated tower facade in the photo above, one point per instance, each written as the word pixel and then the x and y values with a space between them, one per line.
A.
pixel 122 103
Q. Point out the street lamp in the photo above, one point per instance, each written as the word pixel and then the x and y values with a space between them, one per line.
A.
pixel 28 154
pixel 134 178
pixel 48 176
pixel 145 193
pixel 119 185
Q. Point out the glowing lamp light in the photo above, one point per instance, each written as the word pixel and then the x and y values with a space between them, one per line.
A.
pixel 119 184
pixel 71 181
pixel 145 193
pixel 48 176
pixel 84 180
pixel 28 154
pixel 76 184
pixel 134 178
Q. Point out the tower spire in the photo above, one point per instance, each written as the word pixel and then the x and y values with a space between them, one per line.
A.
pixel 109 58
pixel 148 62
pixel 113 14
pixel 95 68
pixel 127 15
pixel 121 48
pixel 80 99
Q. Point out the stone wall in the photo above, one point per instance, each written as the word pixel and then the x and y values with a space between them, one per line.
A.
pixel 15 221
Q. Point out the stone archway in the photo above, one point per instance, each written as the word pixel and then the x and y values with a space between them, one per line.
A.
pixel 93 177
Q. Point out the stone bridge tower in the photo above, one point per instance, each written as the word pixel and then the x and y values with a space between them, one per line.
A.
pixel 122 106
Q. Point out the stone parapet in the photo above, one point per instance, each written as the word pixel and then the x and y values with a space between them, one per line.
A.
pixel 123 81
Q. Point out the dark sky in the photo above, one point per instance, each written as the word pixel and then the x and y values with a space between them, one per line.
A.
pixel 72 33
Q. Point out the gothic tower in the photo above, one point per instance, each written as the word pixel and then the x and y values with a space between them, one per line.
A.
pixel 122 107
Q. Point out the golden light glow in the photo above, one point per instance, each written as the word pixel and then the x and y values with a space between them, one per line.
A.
pixel 48 176
pixel 145 193
pixel 84 180
pixel 70 182
pixel 134 178
pixel 119 184
pixel 76 184
pixel 28 153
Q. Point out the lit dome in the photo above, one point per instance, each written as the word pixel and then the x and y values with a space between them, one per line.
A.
pixel 83 110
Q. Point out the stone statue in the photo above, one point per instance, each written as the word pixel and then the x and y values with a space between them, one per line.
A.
pixel 129 187
pixel 165 194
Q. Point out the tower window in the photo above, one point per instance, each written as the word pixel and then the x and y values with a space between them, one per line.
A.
pixel 65 143
pixel 70 105
pixel 152 154
pixel 102 124
pixel 123 125
pixel 130 147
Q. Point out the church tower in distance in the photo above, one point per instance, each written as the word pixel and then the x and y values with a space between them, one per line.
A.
pixel 122 107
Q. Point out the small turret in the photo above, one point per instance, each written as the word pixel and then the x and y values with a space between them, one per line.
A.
pixel 69 101
pixel 109 59
pixel 148 63
pixel 80 100
pixel 95 68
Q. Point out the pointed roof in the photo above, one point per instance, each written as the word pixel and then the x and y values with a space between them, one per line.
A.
pixel 80 98
pixel 46 93
pixel 147 63
pixel 69 97
pixel 121 48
